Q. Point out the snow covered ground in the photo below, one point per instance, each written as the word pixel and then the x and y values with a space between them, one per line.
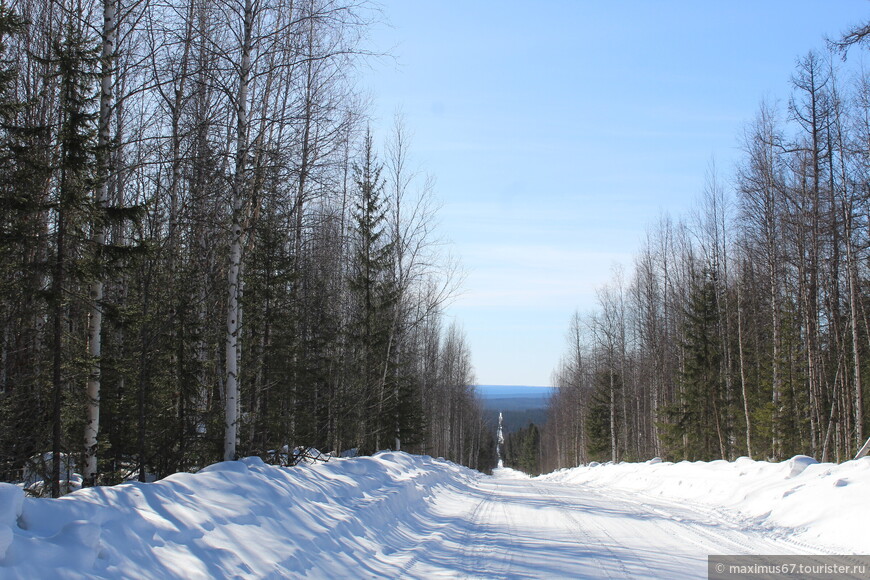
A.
pixel 815 506
pixel 396 515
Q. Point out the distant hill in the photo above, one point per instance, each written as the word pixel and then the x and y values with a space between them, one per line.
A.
pixel 514 392
pixel 519 405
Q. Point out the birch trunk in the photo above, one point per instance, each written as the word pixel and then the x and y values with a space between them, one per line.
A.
pixel 747 416
pixel 95 318
pixel 233 342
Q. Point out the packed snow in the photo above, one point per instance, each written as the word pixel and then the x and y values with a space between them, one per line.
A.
pixel 823 506
pixel 397 515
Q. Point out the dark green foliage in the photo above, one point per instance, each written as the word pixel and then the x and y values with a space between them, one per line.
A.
pixel 25 402
pixel 373 300
pixel 697 426
pixel 514 419
pixel 75 61
pixel 598 432
pixel 487 458
pixel 332 349
pixel 522 450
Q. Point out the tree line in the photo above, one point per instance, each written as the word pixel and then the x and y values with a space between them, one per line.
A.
pixel 522 449
pixel 205 253
pixel 742 328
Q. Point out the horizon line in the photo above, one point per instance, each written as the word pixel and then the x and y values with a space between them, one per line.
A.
pixel 503 385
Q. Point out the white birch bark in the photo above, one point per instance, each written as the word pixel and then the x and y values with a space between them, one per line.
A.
pixel 233 343
pixel 95 318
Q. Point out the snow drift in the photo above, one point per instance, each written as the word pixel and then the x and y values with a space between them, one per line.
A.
pixel 357 517
pixel 232 519
pixel 822 505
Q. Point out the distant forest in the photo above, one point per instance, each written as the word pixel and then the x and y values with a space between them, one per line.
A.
pixel 743 327
pixel 205 253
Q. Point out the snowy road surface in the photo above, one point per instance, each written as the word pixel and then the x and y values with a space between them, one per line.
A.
pixel 396 515
pixel 515 527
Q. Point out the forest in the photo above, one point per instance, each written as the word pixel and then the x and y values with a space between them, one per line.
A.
pixel 741 328
pixel 207 253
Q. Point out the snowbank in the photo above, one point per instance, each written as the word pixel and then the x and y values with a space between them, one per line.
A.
pixel 241 518
pixel 819 504
pixel 357 517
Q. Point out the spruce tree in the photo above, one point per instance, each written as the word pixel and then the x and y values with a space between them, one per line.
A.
pixel 373 295
pixel 598 423
pixel 697 427
pixel 76 60
pixel 24 170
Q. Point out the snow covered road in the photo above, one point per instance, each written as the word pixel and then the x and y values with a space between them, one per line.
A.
pixel 396 515
pixel 516 527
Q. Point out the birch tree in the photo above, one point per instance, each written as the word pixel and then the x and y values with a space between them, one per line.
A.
pixel 95 322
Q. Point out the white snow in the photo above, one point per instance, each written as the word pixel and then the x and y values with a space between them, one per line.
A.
pixel 822 505
pixel 397 515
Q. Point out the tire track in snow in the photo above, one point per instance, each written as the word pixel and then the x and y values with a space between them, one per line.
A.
pixel 512 528
pixel 721 531
pixel 566 510
pixel 512 534
pixel 480 541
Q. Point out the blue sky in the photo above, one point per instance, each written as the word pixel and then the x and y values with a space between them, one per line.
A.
pixel 558 131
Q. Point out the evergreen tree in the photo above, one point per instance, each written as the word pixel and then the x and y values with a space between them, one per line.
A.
pixel 523 450
pixel 218 148
pixel 373 295
pixel 24 171
pixel 598 422
pixel 697 421
pixel 76 61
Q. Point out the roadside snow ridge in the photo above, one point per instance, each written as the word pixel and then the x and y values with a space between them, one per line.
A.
pixel 398 515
